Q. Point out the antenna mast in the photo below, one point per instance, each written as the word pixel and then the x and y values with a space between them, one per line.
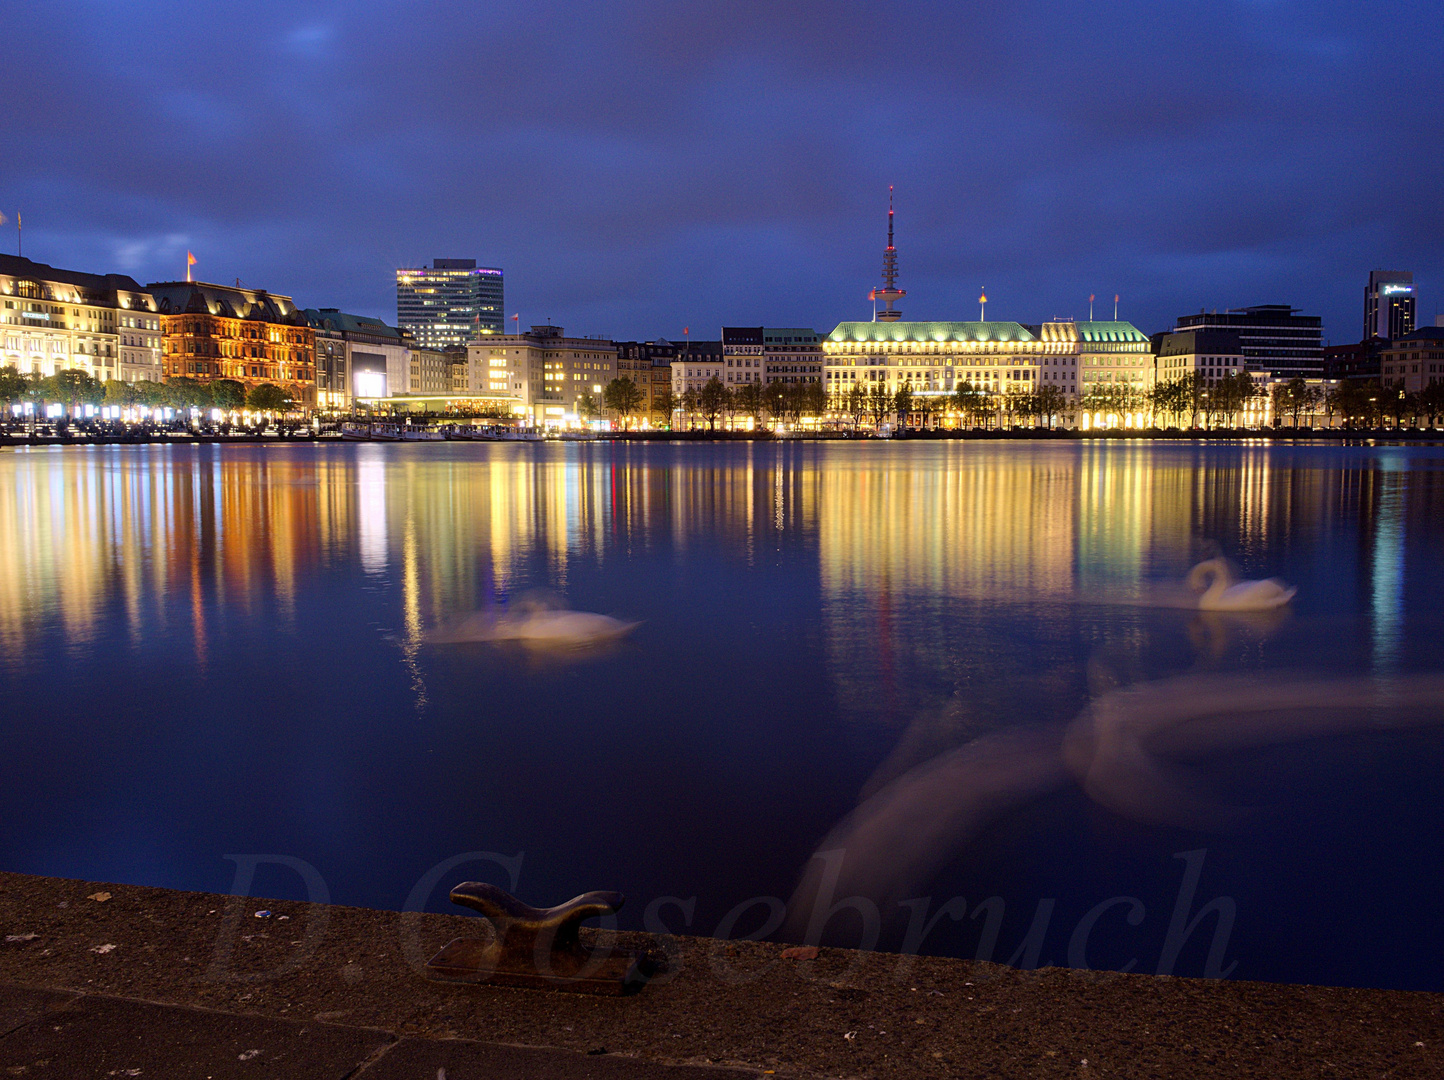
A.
pixel 889 294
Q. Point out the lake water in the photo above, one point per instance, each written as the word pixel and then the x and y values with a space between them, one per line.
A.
pixel 219 651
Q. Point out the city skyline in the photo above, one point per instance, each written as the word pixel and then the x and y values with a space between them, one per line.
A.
pixel 687 202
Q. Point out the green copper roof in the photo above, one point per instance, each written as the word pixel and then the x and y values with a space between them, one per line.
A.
pixel 899 332
pixel 1110 331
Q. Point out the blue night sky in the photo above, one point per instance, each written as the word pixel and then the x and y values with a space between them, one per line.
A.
pixel 637 167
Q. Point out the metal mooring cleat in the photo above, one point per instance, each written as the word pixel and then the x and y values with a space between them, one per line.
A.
pixel 538 947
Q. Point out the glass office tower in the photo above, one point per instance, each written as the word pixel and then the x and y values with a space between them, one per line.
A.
pixel 449 303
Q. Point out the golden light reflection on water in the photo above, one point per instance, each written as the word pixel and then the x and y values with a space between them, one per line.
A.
pixel 172 539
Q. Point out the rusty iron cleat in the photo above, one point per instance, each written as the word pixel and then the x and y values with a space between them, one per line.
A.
pixel 539 947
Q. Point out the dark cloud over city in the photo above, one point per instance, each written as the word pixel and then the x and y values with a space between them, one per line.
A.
pixel 637 167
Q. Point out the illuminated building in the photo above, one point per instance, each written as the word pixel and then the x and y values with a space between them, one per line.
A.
pixel 542 373
pixel 1355 361
pixel 933 357
pixel 649 365
pixel 432 371
pixel 1389 304
pixel 791 355
pixel 1275 339
pixel 55 320
pixel 995 356
pixel 249 335
pixel 356 357
pixel 1108 354
pixel 1414 360
pixel 742 352
pixel 704 361
pixel 1207 354
pixel 450 303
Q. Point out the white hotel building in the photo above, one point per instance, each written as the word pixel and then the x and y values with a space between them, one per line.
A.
pixel 935 358
pixel 58 320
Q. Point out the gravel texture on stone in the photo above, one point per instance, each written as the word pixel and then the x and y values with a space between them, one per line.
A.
pixel 843 1014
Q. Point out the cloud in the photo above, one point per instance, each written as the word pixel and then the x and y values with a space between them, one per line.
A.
pixel 646 164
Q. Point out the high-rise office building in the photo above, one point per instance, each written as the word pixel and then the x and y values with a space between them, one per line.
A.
pixel 1274 338
pixel 449 303
pixel 1389 304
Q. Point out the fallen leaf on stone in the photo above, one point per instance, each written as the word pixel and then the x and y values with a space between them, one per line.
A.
pixel 103 949
pixel 849 1035
pixel 99 897
pixel 800 952
pixel 248 1055
pixel 32 937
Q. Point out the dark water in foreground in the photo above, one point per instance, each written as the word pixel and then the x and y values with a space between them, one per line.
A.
pixel 211 651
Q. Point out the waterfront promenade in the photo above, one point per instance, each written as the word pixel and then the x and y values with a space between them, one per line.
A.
pixel 183 984
pixel 309 435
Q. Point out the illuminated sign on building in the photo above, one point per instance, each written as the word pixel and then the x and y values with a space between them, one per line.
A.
pixel 1390 290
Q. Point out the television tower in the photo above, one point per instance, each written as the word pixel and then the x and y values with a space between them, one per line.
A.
pixel 889 294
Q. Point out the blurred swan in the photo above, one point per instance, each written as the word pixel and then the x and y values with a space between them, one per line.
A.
pixel 1141 752
pixel 537 626
pixel 1224 594
pixel 1138 751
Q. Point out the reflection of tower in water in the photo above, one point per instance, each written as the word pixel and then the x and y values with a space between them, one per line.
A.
pixel 1386 576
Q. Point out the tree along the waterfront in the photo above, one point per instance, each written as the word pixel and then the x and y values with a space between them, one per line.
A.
pixel 623 397
pixel 1231 395
pixel 1113 399
pixel 902 403
pixel 879 403
pixel 1175 399
pixel 1431 402
pixel 269 397
pixel 974 403
pixel 1355 403
pixel 747 401
pixel 663 403
pixel 13 385
pixel 926 407
pixel 711 400
pixel 70 388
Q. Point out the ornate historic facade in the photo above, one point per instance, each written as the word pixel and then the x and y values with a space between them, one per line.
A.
pixel 54 320
pixel 249 335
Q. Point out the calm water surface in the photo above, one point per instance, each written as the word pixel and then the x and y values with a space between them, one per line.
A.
pixel 211 651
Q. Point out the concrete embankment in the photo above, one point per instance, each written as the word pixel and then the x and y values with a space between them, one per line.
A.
pixel 95 978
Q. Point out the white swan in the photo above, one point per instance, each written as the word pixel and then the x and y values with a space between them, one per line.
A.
pixel 537 627
pixel 1224 594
